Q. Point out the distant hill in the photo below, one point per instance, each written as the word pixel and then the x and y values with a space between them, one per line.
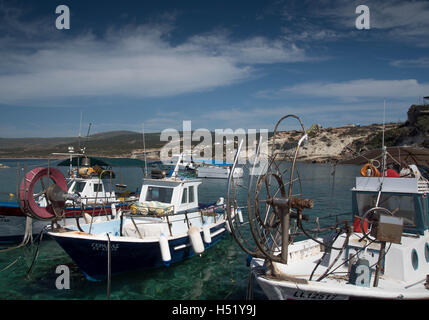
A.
pixel 114 143
pixel 325 144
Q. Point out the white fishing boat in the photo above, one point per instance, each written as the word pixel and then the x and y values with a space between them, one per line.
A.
pixel 89 180
pixel 166 225
pixel 218 170
pixel 379 251
pixel 185 161
pixel 203 168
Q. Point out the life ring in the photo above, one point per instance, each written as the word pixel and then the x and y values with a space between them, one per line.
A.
pixel 374 171
pixel 26 192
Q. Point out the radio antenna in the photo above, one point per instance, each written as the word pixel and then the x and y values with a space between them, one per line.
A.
pixel 87 136
pixel 144 151
pixel 80 130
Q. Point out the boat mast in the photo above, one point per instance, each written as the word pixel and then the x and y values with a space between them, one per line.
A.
pixel 144 150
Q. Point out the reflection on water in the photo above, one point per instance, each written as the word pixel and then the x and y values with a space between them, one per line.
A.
pixel 220 273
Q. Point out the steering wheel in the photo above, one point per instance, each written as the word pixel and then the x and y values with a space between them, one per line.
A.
pixel 373 219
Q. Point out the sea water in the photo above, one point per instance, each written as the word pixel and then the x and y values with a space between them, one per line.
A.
pixel 220 273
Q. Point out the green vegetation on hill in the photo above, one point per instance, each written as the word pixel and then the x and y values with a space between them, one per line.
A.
pixel 106 144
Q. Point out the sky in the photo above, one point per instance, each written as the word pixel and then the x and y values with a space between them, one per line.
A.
pixel 221 64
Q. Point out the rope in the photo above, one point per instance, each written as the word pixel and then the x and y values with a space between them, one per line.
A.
pixel 324 254
pixel 10 265
pixel 108 266
pixel 28 235
pixel 36 254
pixel 346 242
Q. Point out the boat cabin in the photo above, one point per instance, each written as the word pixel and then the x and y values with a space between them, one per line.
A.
pixel 179 195
pixel 404 197
pixel 92 190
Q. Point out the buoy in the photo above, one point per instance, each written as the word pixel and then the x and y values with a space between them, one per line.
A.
pixel 113 206
pixel 206 234
pixel 369 170
pixel 165 249
pixel 195 239
pixel 240 215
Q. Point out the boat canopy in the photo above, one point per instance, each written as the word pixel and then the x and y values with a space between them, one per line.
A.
pixel 106 162
pixel 410 155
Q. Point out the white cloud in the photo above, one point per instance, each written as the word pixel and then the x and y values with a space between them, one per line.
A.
pixel 138 64
pixel 396 20
pixel 254 50
pixel 422 62
pixel 134 61
pixel 359 89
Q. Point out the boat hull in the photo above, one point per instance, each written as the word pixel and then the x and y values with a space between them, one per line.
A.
pixel 13 220
pixel 91 256
pixel 218 172
pixel 288 290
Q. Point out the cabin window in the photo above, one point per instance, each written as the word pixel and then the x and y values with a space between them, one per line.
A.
pixel 159 194
pixel 98 187
pixel 191 194
pixel 79 186
pixel 185 195
pixel 414 259
pixel 400 205
pixel 424 202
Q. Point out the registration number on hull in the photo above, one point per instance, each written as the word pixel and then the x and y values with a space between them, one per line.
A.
pixel 308 295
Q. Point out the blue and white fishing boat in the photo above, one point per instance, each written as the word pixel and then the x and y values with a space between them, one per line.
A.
pixel 217 169
pixel 89 178
pixel 166 225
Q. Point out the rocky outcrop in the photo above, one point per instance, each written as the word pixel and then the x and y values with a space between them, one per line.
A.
pixel 339 143
pixel 327 144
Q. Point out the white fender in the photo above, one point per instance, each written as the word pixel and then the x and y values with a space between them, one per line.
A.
pixel 196 241
pixel 240 215
pixel 165 249
pixel 113 206
pixel 206 233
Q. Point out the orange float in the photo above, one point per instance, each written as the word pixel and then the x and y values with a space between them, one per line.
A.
pixel 374 171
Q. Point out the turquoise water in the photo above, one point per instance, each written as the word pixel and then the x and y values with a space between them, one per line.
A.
pixel 220 273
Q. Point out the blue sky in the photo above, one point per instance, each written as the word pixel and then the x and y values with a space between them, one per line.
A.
pixel 220 64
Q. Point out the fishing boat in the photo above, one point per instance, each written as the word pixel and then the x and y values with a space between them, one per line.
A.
pixel 379 251
pixel 89 180
pixel 217 169
pixel 166 225
pixel 203 168
pixel 186 163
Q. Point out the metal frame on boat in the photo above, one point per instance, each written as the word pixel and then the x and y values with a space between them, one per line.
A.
pixel 379 251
